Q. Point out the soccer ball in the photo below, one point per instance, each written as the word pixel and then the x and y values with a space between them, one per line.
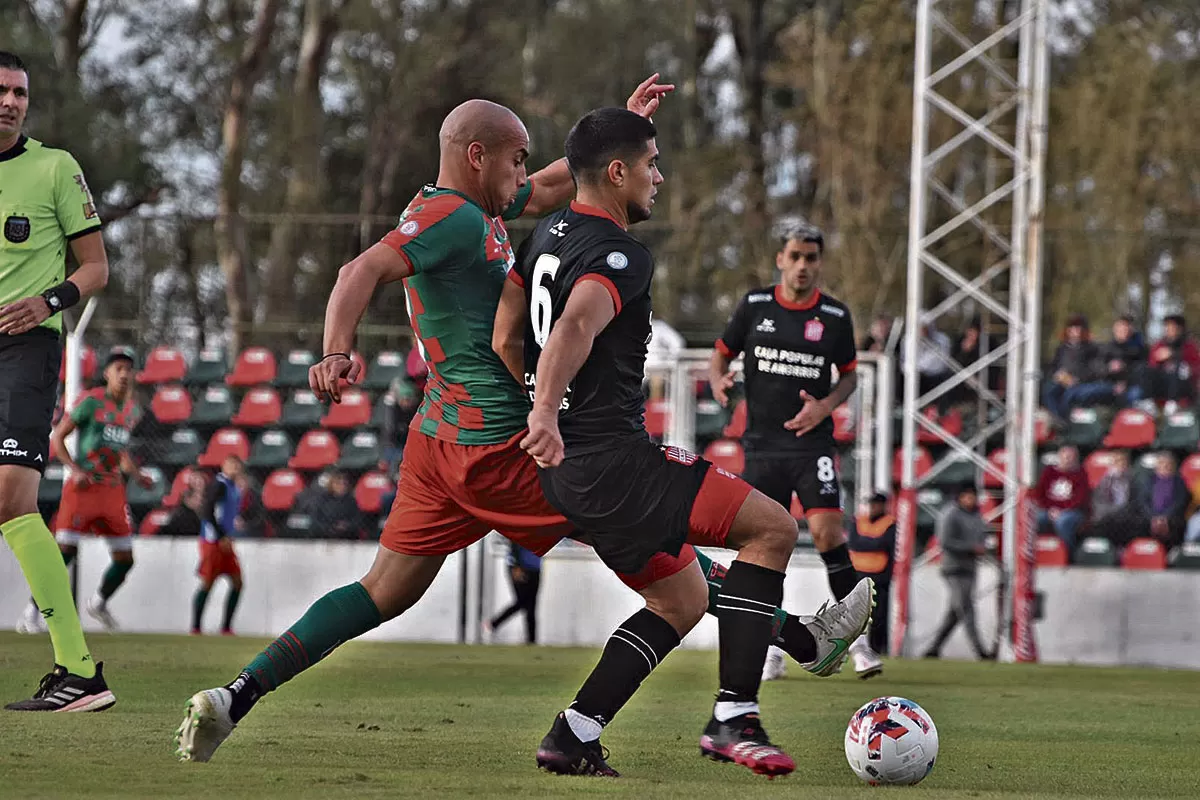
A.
pixel 891 740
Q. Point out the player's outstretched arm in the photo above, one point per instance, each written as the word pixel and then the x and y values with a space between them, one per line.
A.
pixel 589 309
pixel 508 332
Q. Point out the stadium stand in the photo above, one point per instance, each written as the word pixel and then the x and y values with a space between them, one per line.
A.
pixel 183 449
pixel 361 452
pixel 1144 553
pixel 254 366
pixel 293 372
pixel 271 450
pixel 727 454
pixel 163 365
pixel 171 405
pixel 317 450
pixel 213 410
pixel 353 412
pixel 302 411
pixel 208 368
pixel 385 368
pixel 224 443
pixel 281 489
pixel 260 408
pixel 369 491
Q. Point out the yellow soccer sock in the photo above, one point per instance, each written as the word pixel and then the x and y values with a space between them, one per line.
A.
pixel 46 573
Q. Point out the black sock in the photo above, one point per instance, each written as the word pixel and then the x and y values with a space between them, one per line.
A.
pixel 842 577
pixel 797 640
pixel 745 612
pixel 245 691
pixel 632 653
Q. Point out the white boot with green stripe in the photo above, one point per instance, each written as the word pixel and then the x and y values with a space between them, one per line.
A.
pixel 836 627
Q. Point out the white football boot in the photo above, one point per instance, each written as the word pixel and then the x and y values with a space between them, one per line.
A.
pixel 97 609
pixel 866 661
pixel 31 620
pixel 205 725
pixel 836 627
pixel 775 667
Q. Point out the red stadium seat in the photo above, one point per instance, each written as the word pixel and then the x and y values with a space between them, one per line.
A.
pixel 1132 429
pixel 1097 465
pixel 254 366
pixel 1051 552
pixel 843 424
pixel 171 405
pixel 280 489
pixel 353 412
pixel 152 523
pixel 952 422
pixel 727 454
pixel 88 372
pixel 924 463
pixel 260 408
pixel 998 458
pixel 1144 554
pixel 737 423
pixel 224 443
pixel 178 486
pixel 658 412
pixel 1189 470
pixel 369 492
pixel 317 450
pixel 163 365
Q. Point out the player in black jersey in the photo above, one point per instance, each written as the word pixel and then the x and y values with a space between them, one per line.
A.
pixel 586 284
pixel 792 336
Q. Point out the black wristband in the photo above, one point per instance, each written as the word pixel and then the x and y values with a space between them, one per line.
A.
pixel 61 297
pixel 346 356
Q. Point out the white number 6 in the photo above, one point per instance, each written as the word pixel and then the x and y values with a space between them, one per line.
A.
pixel 540 303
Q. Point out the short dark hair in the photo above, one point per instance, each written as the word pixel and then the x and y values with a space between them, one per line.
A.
pixel 602 136
pixel 801 231
pixel 12 61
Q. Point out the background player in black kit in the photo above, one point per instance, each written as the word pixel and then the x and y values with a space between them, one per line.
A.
pixel 587 286
pixel 792 335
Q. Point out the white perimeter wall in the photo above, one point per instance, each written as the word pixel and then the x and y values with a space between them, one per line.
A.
pixel 1092 616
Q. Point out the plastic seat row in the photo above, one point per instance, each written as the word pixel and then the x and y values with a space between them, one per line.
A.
pixel 255 366
pixel 262 407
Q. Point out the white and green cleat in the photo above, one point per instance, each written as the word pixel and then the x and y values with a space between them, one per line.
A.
pixel 836 627
pixel 205 725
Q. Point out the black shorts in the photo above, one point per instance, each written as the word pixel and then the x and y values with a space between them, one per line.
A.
pixel 812 475
pixel 639 498
pixel 29 366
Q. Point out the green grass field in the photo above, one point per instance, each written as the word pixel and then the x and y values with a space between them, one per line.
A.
pixel 391 720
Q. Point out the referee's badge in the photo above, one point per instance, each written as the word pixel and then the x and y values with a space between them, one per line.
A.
pixel 17 229
pixel 813 330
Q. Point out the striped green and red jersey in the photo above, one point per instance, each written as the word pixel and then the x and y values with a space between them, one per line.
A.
pixel 460 257
pixel 104 432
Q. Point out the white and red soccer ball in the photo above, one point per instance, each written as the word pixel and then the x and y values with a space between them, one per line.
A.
pixel 891 740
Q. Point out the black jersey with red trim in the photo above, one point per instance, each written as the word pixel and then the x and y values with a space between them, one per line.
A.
pixel 789 348
pixel 604 403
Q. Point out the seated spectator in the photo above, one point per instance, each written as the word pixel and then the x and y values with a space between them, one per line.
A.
pixel 1074 378
pixel 333 510
pixel 933 355
pixel 1062 496
pixel 1124 359
pixel 1162 497
pixel 1113 513
pixel 1174 366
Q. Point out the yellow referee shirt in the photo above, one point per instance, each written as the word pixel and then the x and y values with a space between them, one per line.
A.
pixel 44 203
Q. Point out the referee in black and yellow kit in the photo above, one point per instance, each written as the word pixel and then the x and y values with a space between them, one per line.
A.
pixel 44 205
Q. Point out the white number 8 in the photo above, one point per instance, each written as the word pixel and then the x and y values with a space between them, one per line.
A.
pixel 825 473
pixel 540 302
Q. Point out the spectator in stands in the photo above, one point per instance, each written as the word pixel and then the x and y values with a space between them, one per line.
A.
pixel 1174 366
pixel 185 518
pixel 333 509
pixel 1162 497
pixel 1075 380
pixel 877 335
pixel 962 534
pixel 1124 360
pixel 1113 513
pixel 933 353
pixel 1062 494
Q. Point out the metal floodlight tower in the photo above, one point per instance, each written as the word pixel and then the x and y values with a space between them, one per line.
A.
pixel 943 217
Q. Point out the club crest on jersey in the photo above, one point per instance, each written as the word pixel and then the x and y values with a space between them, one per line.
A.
pixel 814 329
pixel 17 229
pixel 617 260
pixel 410 228
pixel 680 456
pixel 766 326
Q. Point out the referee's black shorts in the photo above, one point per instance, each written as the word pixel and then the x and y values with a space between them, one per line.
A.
pixel 811 474
pixel 29 366
pixel 637 498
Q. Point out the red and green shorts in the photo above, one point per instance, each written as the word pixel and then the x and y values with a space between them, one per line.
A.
pixel 450 496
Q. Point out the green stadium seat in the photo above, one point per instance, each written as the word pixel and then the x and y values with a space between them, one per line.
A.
pixel 710 419
pixel 1086 428
pixel 957 471
pixel 143 499
pixel 208 369
pixel 360 453
pixel 50 488
pixel 387 367
pixel 1179 431
pixel 214 409
pixel 1187 556
pixel 1095 552
pixel 182 450
pixel 298 526
pixel 302 411
pixel 293 371
pixel 930 502
pixel 271 450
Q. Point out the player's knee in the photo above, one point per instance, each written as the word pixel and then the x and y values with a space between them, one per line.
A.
pixel 827 531
pixel 778 532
